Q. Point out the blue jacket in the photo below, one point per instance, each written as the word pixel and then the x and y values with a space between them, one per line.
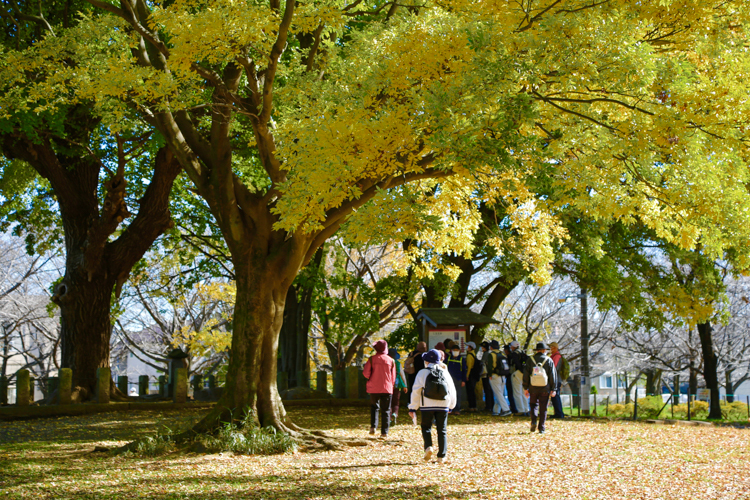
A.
pixel 457 367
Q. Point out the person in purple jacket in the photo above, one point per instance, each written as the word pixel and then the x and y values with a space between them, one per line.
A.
pixel 380 372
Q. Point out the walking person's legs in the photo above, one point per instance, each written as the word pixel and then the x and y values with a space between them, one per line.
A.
pixel 395 402
pixel 496 382
pixel 441 424
pixel 374 410
pixel 543 402
pixel 427 418
pixel 385 413
pixel 534 410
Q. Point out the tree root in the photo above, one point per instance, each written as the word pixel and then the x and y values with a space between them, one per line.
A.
pixel 311 441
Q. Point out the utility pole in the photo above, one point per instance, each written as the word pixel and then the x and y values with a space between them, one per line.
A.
pixel 585 369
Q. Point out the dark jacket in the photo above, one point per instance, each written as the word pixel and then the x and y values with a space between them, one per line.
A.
pixel 549 367
pixel 418 362
pixel 457 367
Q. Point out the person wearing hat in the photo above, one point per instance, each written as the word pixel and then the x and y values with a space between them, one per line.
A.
pixel 399 386
pixel 458 372
pixel 489 397
pixel 518 360
pixel 563 372
pixel 539 383
pixel 380 372
pixel 495 371
pixel 433 409
pixel 474 370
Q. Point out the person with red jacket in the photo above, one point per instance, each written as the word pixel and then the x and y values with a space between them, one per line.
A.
pixel 380 372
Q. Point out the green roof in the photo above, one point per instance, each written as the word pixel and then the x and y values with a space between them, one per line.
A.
pixel 442 317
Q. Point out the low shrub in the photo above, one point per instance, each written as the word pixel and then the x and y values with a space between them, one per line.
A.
pixel 247 437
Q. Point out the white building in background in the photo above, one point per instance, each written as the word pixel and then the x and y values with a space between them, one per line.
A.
pixel 132 362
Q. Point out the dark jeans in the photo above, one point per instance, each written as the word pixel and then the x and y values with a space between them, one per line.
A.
pixel 538 407
pixel 509 390
pixel 470 394
pixel 557 405
pixel 441 423
pixel 489 397
pixel 380 403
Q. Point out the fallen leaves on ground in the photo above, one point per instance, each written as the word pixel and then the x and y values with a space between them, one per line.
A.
pixel 489 457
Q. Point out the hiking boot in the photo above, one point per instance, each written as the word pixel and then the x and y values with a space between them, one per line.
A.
pixel 428 454
pixel 541 432
pixel 383 436
pixel 533 427
pixel 442 460
pixel 372 431
pixel 505 414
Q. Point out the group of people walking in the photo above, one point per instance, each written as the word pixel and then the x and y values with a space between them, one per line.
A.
pixel 509 381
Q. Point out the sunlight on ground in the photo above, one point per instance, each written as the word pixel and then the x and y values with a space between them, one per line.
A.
pixel 489 458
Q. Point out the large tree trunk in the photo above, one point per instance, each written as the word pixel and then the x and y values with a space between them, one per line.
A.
pixel 710 372
pixel 85 322
pixel 251 375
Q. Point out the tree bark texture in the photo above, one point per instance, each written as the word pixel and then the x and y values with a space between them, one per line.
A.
pixel 710 365
pixel 729 385
pixel 94 265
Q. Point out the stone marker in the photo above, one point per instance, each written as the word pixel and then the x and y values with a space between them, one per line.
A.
pixel 122 384
pixel 53 383
pixel 180 386
pixel 197 383
pixel 103 375
pixel 22 388
pixel 282 381
pixel 339 384
pixel 3 390
pixel 303 379
pixel 66 386
pixel 32 388
pixel 321 381
pixel 163 390
pixel 352 382
pixel 143 385
pixel 212 381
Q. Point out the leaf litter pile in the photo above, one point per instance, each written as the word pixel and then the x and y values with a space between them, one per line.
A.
pixel 489 457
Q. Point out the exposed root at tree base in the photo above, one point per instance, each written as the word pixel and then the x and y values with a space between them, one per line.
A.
pixel 312 441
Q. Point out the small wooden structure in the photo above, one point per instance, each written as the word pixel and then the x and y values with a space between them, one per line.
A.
pixel 439 324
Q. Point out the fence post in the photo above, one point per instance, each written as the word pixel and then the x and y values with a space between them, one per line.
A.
pixel 103 375
pixel 303 379
pixel 352 382
pixel 635 405
pixel 688 405
pixel 143 385
pixel 22 388
pixel 3 390
pixel 122 384
pixel 163 386
pixel 180 386
pixel 66 386
pixel 197 384
pixel 212 382
pixel 321 381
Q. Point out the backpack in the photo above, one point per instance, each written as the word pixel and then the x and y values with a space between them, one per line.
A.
pixel 564 369
pixel 409 364
pixel 476 368
pixel 539 375
pixel 435 384
pixel 520 359
pixel 501 366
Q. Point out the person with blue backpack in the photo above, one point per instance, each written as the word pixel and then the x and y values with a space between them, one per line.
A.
pixel 434 394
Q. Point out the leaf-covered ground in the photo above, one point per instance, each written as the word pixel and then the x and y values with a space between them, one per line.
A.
pixel 489 457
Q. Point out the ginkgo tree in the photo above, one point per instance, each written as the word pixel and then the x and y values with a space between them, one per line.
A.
pixel 638 105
